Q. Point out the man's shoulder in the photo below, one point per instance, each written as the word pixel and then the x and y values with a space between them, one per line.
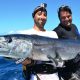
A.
pixel 57 28
pixel 51 34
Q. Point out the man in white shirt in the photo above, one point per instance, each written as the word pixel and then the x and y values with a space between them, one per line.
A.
pixel 40 18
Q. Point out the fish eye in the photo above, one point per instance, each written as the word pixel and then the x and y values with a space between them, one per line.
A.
pixel 8 39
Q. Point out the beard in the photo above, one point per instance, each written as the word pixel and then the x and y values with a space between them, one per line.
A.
pixel 40 23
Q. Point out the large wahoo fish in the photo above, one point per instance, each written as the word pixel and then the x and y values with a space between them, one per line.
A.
pixel 22 46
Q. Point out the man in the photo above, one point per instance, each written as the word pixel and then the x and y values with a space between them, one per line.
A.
pixel 67 30
pixel 39 70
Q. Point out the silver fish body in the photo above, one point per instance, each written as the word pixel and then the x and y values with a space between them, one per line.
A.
pixel 37 47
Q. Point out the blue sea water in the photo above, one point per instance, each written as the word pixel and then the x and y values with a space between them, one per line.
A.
pixel 9 70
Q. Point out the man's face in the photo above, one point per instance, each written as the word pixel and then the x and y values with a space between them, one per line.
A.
pixel 40 18
pixel 65 18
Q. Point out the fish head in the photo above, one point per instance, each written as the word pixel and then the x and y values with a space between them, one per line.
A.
pixel 15 47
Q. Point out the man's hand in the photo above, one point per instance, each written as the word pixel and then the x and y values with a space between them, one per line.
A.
pixel 27 61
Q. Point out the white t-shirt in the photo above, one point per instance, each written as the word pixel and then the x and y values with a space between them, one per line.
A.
pixel 50 34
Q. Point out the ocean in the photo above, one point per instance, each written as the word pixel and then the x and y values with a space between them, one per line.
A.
pixel 9 70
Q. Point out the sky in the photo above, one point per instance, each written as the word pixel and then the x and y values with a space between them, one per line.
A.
pixel 16 15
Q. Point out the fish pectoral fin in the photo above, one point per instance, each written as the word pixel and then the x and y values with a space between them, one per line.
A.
pixel 54 63
pixel 58 59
